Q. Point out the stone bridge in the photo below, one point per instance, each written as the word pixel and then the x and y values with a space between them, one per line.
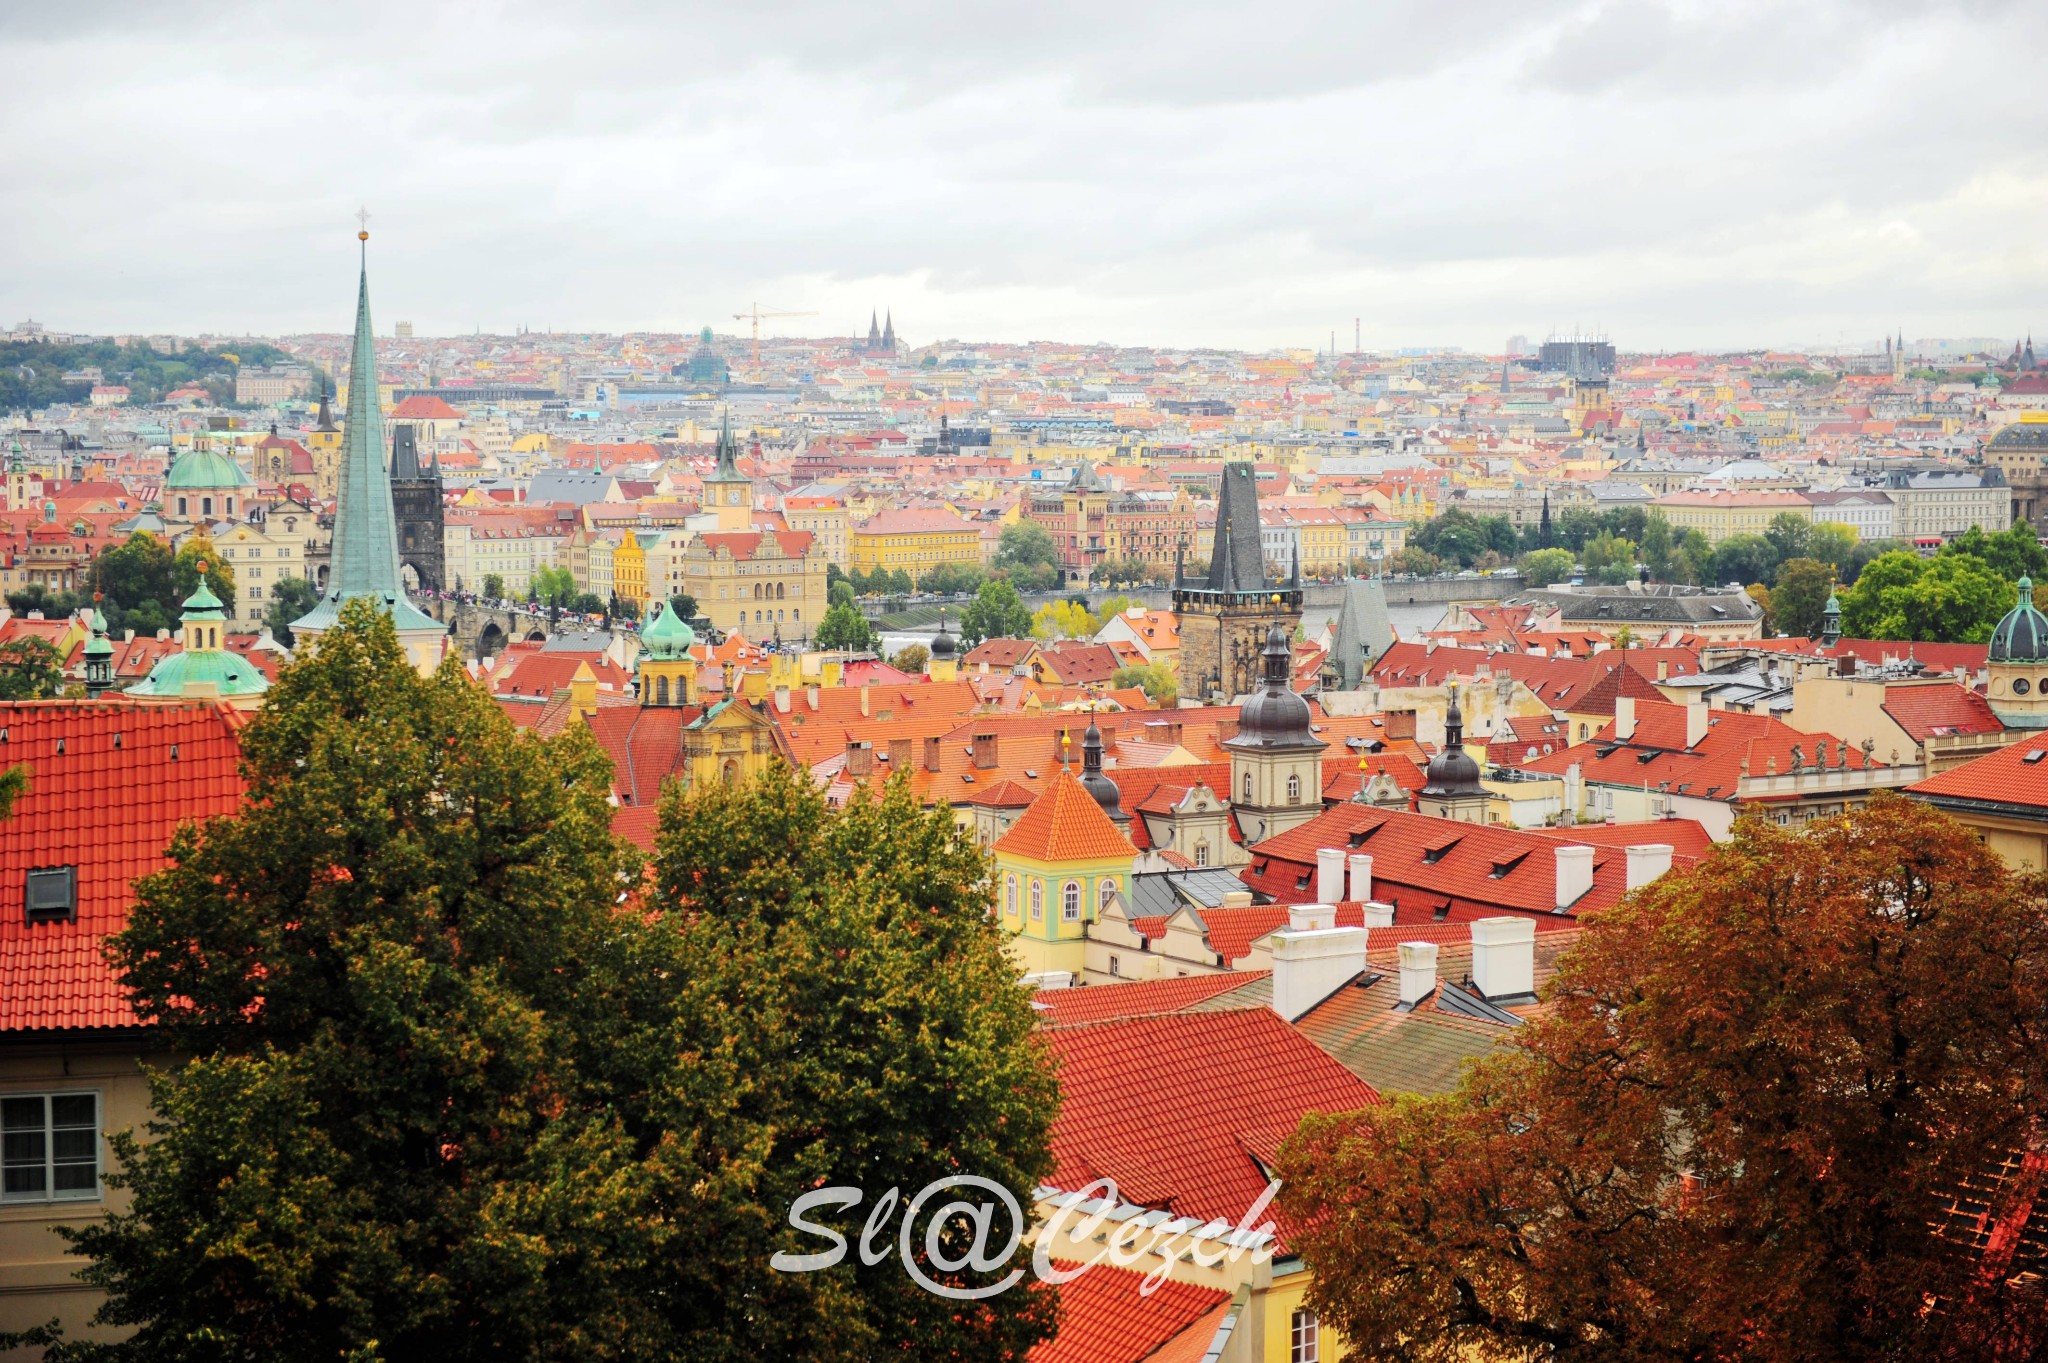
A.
pixel 1401 591
pixel 483 631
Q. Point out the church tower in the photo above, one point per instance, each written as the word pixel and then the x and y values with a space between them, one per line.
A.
pixel 1225 617
pixel 416 501
pixel 1450 788
pixel 942 662
pixel 728 492
pixel 1276 760
pixel 667 669
pixel 365 551
pixel 323 442
pixel 2018 664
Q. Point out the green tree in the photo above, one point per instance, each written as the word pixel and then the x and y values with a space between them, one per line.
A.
pixel 290 599
pixel 1737 1132
pixel 1419 562
pixel 1122 572
pixel 683 606
pixel 1609 558
pixel 1800 596
pixel 1659 548
pixel 380 979
pixel 220 574
pixel 840 593
pixel 30 669
pixel 35 596
pixel 1954 598
pixel 1542 567
pixel 887 1045
pixel 1790 535
pixel 1693 561
pixel 553 587
pixel 1576 525
pixel 494 587
pixel 948 578
pixel 844 627
pixel 1026 544
pixel 135 582
pixel 996 612
pixel 1744 558
pixel 911 658
pixel 2012 553
pixel 1062 620
pixel 1832 543
pixel 1155 678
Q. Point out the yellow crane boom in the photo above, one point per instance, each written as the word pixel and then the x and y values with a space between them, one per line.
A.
pixel 756 314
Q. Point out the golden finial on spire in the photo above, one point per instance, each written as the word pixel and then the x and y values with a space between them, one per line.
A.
pixel 363 224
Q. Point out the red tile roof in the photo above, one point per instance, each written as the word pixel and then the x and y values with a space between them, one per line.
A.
pixel 1065 824
pixel 2004 777
pixel 1656 753
pixel 1173 1107
pixel 1138 999
pixel 422 407
pixel 1105 1319
pixel 744 544
pixel 110 811
pixel 1940 711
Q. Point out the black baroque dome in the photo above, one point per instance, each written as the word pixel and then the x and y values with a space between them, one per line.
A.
pixel 2022 636
pixel 1275 716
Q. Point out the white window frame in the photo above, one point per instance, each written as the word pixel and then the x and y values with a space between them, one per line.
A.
pixel 1037 896
pixel 1010 895
pixel 46 1134
pixel 1304 1338
pixel 1070 902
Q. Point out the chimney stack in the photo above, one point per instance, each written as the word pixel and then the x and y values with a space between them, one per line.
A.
pixel 1378 915
pixel 1418 972
pixel 1329 874
pixel 1574 874
pixel 932 754
pixel 1311 917
pixel 1309 966
pixel 1695 722
pixel 1625 718
pixel 1361 876
pixel 1504 958
pixel 1646 862
pixel 899 755
pixel 860 759
pixel 984 752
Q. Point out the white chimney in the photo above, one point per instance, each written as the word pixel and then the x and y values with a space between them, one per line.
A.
pixel 1625 718
pixel 1574 874
pixel 1378 915
pixel 1418 972
pixel 1329 874
pixel 1361 876
pixel 1695 722
pixel 1504 957
pixel 1311 917
pixel 1309 966
pixel 1647 861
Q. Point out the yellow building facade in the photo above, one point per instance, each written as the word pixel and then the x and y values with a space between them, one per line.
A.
pixel 1059 864
pixel 914 542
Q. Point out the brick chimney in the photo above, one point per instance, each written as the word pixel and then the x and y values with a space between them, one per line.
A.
pixel 860 759
pixel 899 754
pixel 984 752
pixel 1397 724
pixel 932 754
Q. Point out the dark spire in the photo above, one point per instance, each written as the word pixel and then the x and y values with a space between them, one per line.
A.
pixel 889 332
pixel 1452 772
pixel 326 421
pixel 405 454
pixel 728 450
pixel 1101 787
pixel 874 332
pixel 1454 723
pixel 1237 561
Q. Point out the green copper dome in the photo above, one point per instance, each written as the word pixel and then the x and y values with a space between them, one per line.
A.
pixel 665 634
pixel 204 469
pixel 226 673
pixel 97 646
pixel 2022 636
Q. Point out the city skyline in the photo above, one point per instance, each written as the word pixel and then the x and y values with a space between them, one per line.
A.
pixel 1679 177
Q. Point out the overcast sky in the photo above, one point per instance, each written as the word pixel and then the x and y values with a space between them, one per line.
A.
pixel 1717 174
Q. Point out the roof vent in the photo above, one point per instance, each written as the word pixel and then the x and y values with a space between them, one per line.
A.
pixel 52 895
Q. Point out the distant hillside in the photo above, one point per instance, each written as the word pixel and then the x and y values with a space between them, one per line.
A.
pixel 32 372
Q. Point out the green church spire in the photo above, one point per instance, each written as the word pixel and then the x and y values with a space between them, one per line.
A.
pixel 365 557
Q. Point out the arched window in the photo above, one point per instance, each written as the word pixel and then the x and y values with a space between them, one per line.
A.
pixel 1103 890
pixel 1201 854
pixel 1247 786
pixel 1294 790
pixel 661 690
pixel 1037 901
pixel 778 591
pixel 206 506
pixel 1070 902
pixel 1010 896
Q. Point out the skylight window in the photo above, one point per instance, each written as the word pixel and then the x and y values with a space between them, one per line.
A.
pixel 52 895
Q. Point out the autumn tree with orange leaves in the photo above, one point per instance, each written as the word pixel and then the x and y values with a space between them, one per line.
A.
pixel 1739 1132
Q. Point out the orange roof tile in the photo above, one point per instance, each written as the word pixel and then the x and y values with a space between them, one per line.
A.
pixel 1065 824
pixel 1104 1318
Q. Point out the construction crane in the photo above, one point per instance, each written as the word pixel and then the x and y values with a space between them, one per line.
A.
pixel 756 314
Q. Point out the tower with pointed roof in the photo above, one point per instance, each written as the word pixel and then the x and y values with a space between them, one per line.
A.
pixel 99 657
pixel 1450 788
pixel 942 660
pixel 1276 759
pixel 1056 868
pixel 1226 616
pixel 1831 621
pixel 729 493
pixel 889 334
pixel 417 503
pixel 667 669
pixel 323 442
pixel 364 557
